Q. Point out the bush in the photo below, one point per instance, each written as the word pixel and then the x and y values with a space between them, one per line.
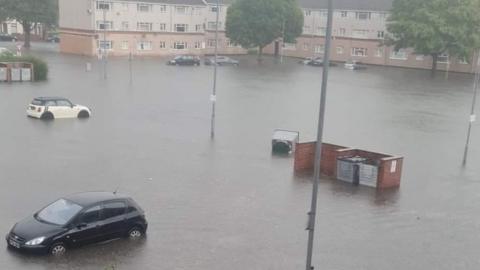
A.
pixel 40 67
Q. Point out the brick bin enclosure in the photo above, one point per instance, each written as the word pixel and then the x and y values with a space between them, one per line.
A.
pixel 389 167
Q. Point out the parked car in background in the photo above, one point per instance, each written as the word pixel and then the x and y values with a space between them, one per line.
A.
pixel 354 65
pixel 53 38
pixel 185 60
pixel 316 62
pixel 7 37
pixel 78 219
pixel 221 61
pixel 56 107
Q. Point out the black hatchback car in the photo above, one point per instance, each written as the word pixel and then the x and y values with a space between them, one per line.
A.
pixel 78 219
pixel 185 60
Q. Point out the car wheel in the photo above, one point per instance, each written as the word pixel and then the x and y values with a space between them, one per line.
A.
pixel 58 249
pixel 135 233
pixel 47 116
pixel 83 114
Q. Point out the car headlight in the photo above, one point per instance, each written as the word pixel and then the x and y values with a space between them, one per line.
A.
pixel 36 241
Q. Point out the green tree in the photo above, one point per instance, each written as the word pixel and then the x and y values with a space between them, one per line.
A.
pixel 434 27
pixel 257 23
pixel 29 13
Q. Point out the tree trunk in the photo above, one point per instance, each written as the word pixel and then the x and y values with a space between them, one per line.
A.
pixel 260 54
pixel 434 63
pixel 27 30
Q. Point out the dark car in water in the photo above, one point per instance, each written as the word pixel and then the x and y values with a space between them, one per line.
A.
pixel 76 220
pixel 7 37
pixel 316 62
pixel 53 38
pixel 185 60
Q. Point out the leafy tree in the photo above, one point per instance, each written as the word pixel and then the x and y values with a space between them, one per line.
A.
pixel 434 27
pixel 257 23
pixel 31 12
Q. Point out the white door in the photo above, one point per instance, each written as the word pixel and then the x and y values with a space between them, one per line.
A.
pixel 65 109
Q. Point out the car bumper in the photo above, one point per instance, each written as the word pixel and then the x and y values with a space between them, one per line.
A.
pixel 14 245
pixel 34 114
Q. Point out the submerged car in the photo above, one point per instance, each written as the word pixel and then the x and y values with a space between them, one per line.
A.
pixel 76 220
pixel 7 37
pixel 56 107
pixel 185 60
pixel 354 65
pixel 221 61
pixel 316 62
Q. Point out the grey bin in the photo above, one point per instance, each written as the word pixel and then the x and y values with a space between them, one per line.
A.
pixel 348 169
pixel 26 74
pixel 16 74
pixel 3 74
pixel 284 141
pixel 368 175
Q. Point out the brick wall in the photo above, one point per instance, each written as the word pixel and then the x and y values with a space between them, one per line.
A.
pixel 390 172
pixel 305 157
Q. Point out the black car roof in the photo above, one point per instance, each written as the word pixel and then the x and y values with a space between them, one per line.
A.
pixel 89 198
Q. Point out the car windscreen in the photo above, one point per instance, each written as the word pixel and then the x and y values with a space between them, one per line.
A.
pixel 38 102
pixel 59 212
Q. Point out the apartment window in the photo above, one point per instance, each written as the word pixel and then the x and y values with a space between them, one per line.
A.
pixel 305 46
pixel 144 45
pixel 125 26
pixel 324 13
pixel 360 33
pixel 13 28
pixel 104 5
pixel 105 44
pixel 359 52
pixel 125 6
pixel 462 61
pixel 197 11
pixel 230 43
pixel 382 15
pixel 419 57
pixel 181 27
pixel 321 31
pixel 198 28
pixel 290 46
pixel 443 58
pixel 197 45
pixel 144 26
pixel 399 55
pixel 124 45
pixel 144 7
pixel 343 14
pixel 319 49
pixel 104 25
pixel 380 34
pixel 308 12
pixel 211 25
pixel 379 52
pixel 339 50
pixel 306 28
pixel 163 27
pixel 163 8
pixel 213 9
pixel 211 43
pixel 181 10
pixel 163 45
pixel 180 45
pixel 363 15
pixel 342 32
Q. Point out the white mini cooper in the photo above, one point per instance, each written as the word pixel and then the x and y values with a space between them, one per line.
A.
pixel 56 107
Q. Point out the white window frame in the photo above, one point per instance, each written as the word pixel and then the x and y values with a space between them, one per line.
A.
pixel 199 28
pixel 401 54
pixel 178 26
pixel 162 27
pixel 144 45
pixel 141 6
pixel 443 58
pixel 343 14
pixel 308 12
pixel 125 25
pixel 163 8
pixel 360 33
pixel 197 45
pixel 101 5
pixel 124 45
pixel 181 44
pixel 359 52
pixel 290 46
pixel 148 26
pixel 125 6
pixel 363 15
pixel 321 30
pixel 211 43
pixel 379 52
pixel 381 34
pixel 101 45
pixel 179 8
pixel 319 49
pixel 342 32
pixel 419 57
pixel 104 25
pixel 340 49
pixel 162 45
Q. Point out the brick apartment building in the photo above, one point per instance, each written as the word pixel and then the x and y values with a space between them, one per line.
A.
pixel 168 27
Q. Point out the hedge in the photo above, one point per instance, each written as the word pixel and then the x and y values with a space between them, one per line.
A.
pixel 40 67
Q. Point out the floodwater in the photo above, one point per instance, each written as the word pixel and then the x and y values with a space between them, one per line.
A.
pixel 229 204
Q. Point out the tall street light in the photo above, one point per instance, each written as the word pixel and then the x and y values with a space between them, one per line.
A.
pixel 213 97
pixel 105 41
pixel 318 151
pixel 472 111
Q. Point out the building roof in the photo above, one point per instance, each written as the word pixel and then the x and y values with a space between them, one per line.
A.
pixel 171 2
pixel 221 2
pixel 88 198
pixel 373 5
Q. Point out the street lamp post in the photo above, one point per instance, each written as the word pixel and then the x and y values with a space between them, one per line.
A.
pixel 104 42
pixel 213 98
pixel 472 111
pixel 318 152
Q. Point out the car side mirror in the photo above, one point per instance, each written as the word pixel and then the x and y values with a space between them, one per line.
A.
pixel 81 225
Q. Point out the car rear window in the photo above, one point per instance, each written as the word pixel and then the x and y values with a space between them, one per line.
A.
pixel 38 102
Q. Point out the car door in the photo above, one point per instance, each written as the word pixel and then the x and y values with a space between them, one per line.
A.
pixel 86 228
pixel 51 106
pixel 65 109
pixel 114 219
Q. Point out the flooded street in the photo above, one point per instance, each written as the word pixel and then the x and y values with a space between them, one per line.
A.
pixel 230 204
